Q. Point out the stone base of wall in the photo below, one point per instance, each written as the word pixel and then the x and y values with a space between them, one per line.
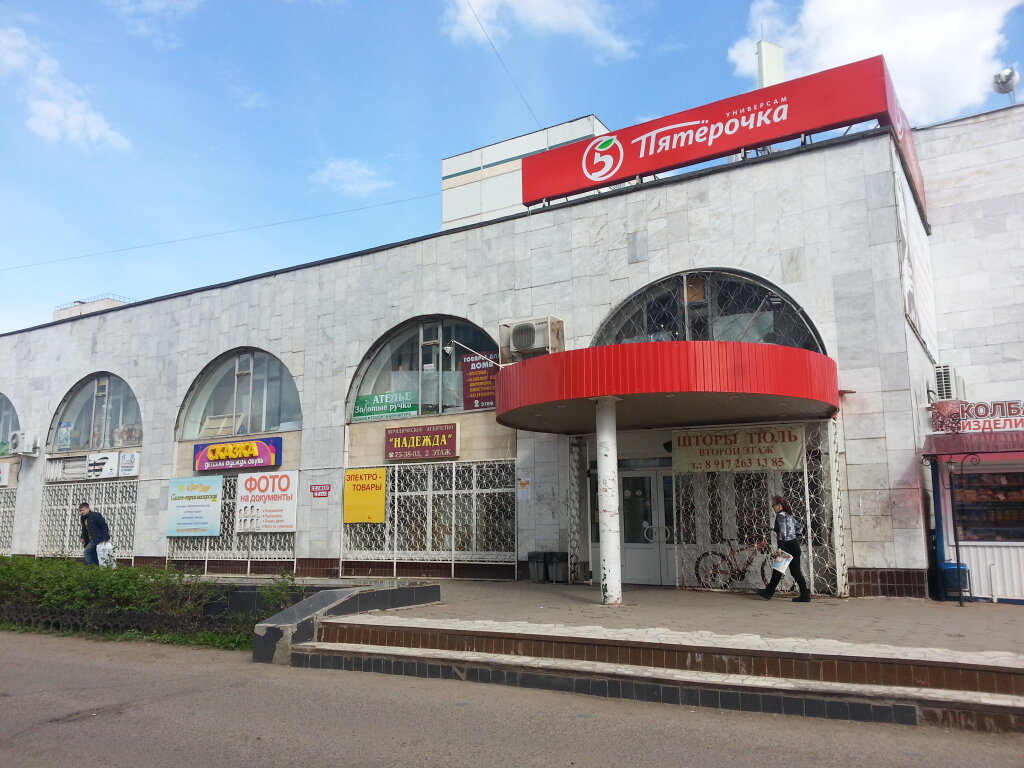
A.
pixel 440 570
pixel 228 567
pixel 317 567
pixel 159 562
pixel 888 582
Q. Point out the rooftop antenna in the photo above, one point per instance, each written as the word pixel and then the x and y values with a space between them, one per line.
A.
pixel 771 68
pixel 1005 81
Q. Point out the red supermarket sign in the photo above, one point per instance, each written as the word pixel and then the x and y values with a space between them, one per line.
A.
pixel 838 97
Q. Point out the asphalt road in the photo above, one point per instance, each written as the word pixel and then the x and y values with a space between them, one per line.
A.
pixel 74 702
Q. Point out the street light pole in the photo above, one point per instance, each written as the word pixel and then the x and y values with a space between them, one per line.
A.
pixel 448 349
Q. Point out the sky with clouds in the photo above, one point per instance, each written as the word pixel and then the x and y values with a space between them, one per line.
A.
pixel 153 146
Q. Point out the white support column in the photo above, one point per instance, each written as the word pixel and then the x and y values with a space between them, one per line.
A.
pixel 608 502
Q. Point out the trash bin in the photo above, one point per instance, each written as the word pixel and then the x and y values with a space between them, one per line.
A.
pixel 538 566
pixel 558 566
pixel 956 578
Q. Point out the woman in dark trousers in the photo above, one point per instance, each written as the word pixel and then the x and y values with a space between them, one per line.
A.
pixel 789 530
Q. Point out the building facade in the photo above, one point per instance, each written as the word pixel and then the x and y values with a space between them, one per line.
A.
pixel 235 427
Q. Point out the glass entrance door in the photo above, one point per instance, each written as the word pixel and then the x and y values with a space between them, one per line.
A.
pixel 648 536
pixel 641 563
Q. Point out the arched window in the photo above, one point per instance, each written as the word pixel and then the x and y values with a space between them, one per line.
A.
pixel 244 392
pixel 8 423
pixel 419 368
pixel 100 412
pixel 709 306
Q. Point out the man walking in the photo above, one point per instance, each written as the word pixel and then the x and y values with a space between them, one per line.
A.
pixel 94 531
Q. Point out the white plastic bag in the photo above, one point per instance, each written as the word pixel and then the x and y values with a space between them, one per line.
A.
pixel 781 560
pixel 105 554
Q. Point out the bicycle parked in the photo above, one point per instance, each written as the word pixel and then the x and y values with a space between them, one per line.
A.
pixel 717 570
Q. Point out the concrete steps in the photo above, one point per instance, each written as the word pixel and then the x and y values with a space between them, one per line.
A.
pixel 812 678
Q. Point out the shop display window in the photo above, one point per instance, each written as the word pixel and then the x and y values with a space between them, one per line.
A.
pixel 418 370
pixel 243 393
pixel 8 423
pixel 100 413
pixel 708 306
pixel 989 505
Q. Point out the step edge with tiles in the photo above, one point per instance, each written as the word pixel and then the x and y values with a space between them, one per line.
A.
pixel 665 674
pixel 939 706
pixel 1009 679
pixel 882 653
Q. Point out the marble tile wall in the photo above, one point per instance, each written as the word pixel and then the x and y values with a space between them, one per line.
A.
pixel 820 224
pixel 974 170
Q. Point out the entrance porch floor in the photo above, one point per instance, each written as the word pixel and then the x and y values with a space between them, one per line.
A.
pixel 905 622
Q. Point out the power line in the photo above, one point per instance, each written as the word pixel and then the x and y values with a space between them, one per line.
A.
pixel 216 234
pixel 502 62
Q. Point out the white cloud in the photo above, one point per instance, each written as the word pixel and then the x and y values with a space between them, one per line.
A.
pixel 58 109
pixel 16 52
pixel 152 18
pixel 941 53
pixel 350 177
pixel 591 20
pixel 248 98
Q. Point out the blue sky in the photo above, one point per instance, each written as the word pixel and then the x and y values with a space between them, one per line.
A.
pixel 125 123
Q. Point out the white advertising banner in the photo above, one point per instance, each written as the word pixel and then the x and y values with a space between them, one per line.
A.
pixel 741 449
pixel 5 474
pixel 128 464
pixel 193 506
pixel 267 502
pixel 101 465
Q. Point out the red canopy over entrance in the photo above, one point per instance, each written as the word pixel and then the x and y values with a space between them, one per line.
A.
pixel 667 384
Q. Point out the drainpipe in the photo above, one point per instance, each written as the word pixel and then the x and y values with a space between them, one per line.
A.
pixel 608 502
pixel 940 537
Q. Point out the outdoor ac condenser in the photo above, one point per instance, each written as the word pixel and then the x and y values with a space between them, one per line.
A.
pixel 948 385
pixel 20 443
pixel 530 337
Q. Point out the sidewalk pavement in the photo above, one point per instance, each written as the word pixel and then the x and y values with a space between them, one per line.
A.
pixel 899 660
pixel 906 622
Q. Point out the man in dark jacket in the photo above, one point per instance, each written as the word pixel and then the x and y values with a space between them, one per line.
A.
pixel 94 531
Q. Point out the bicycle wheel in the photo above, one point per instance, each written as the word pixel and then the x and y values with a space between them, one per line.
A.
pixel 712 571
pixel 766 569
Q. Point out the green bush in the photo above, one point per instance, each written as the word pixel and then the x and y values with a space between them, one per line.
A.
pixel 280 592
pixel 71 585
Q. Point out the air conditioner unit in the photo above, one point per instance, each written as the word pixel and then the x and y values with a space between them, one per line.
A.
pixel 533 336
pixel 21 443
pixel 948 385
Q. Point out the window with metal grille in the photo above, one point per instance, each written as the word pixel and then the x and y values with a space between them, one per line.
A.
pixel 444 511
pixel 709 306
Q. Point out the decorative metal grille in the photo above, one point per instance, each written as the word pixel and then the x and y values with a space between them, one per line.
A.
pixel 838 523
pixel 60 525
pixel 442 512
pixel 232 545
pixel 722 515
pixel 7 498
pixel 575 473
